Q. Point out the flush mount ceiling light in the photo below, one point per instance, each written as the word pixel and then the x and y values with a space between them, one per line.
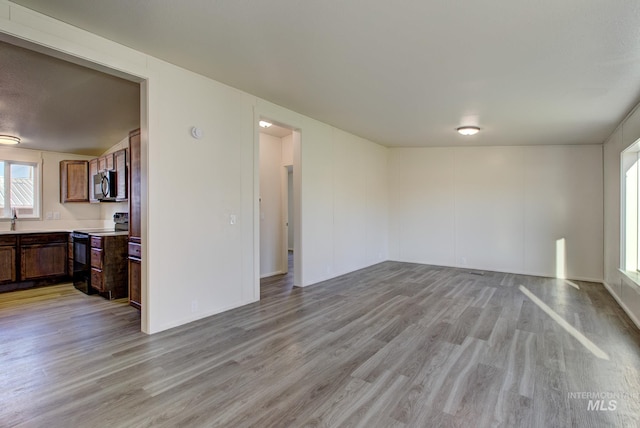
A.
pixel 468 130
pixel 9 139
pixel 264 124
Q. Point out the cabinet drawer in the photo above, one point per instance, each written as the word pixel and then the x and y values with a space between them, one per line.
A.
pixel 96 241
pixel 7 239
pixel 135 250
pixel 96 258
pixel 96 279
pixel 43 238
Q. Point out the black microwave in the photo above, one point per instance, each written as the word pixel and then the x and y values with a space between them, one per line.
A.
pixel 104 186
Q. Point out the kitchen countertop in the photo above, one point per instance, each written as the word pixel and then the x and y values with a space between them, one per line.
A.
pixel 24 232
pixel 110 233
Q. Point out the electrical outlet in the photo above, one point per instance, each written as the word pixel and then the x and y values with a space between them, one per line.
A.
pixel 56 215
pixel 233 219
pixel 49 215
pixel 463 261
pixel 194 306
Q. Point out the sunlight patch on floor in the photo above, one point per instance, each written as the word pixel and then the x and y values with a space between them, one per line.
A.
pixel 592 347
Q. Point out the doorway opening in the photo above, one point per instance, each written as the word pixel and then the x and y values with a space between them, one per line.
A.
pixel 277 212
pixel 71 125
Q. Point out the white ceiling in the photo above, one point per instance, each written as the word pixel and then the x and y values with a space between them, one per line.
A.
pixel 401 73
pixel 55 105
pixel 276 131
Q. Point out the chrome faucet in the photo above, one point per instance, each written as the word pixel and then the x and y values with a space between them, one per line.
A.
pixel 13 220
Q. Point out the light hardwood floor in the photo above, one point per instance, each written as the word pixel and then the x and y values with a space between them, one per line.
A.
pixel 394 345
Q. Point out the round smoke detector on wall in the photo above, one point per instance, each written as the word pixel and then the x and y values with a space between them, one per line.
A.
pixel 196 132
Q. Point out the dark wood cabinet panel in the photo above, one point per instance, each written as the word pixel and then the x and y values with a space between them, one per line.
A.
pixel 135 278
pixel 97 279
pixel 135 182
pixel 7 264
pixel 109 267
pixel 33 259
pixel 135 250
pixel 120 162
pixel 135 219
pixel 96 241
pixel 96 258
pixel 105 163
pixel 43 260
pixel 8 240
pixel 74 181
pixel 44 238
pixel 93 170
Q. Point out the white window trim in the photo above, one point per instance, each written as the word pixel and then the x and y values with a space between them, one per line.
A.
pixel 11 154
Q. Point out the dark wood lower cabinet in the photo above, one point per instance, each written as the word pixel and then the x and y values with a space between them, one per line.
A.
pixel 135 272
pixel 7 264
pixel 135 279
pixel 109 265
pixel 38 261
pixel 33 259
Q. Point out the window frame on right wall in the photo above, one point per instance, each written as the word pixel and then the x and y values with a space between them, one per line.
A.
pixel 630 209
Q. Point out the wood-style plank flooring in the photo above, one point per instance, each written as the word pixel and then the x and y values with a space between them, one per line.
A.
pixel 393 345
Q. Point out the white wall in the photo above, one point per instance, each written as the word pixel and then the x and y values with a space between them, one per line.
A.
pixel 290 205
pixel 73 215
pixel 498 208
pixel 287 149
pixel 337 235
pixel 195 263
pixel 345 204
pixel 625 291
pixel 271 214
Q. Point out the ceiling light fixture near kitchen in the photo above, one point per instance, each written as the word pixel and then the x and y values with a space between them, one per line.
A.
pixel 9 140
pixel 468 130
pixel 264 124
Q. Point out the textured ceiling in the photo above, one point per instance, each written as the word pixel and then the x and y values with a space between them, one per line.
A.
pixel 276 131
pixel 55 105
pixel 401 73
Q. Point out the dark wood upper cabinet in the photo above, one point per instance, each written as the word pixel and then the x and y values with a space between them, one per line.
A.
pixel 116 161
pixel 120 166
pixel 93 170
pixel 74 181
pixel 105 163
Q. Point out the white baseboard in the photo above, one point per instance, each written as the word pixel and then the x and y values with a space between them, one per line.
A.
pixel 267 275
pixel 624 307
